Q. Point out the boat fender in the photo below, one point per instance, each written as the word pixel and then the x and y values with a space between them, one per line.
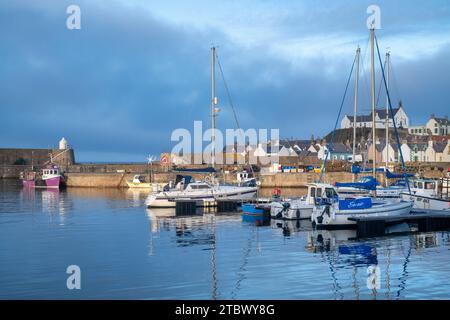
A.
pixel 298 213
pixel 319 219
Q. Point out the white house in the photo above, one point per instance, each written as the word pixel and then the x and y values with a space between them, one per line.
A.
pixel 418 130
pixel 259 151
pixel 414 151
pixel 322 151
pixel 390 152
pixel 406 151
pixel 365 121
pixel 438 151
pixel 292 152
pixel 284 152
pixel 438 126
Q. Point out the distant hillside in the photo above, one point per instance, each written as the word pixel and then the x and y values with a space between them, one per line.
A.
pixel 342 135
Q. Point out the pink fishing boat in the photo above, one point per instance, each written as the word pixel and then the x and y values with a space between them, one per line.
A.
pixel 48 177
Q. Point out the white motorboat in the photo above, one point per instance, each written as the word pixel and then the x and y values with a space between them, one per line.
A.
pixel 429 194
pixel 203 192
pixel 300 208
pixel 335 212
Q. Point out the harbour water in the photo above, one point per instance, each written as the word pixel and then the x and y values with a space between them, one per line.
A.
pixel 126 251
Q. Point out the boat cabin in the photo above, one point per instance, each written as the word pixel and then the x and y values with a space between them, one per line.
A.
pixel 432 188
pixel 138 179
pixel 320 191
pixel 427 187
pixel 198 186
pixel 242 176
pixel 50 171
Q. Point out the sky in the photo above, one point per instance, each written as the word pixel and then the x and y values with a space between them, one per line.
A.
pixel 139 69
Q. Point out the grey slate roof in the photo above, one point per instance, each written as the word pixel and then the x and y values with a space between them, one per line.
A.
pixel 421 146
pixel 439 146
pixel 367 118
pixel 340 148
pixel 442 121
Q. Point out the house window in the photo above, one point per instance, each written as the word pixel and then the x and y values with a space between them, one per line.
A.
pixel 436 130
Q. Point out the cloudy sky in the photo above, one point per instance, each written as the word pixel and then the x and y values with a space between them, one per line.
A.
pixel 138 69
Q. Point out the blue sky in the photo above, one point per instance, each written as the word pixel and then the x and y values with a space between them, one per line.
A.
pixel 139 69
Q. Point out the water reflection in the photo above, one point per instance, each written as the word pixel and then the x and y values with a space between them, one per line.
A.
pixel 223 257
pixel 291 227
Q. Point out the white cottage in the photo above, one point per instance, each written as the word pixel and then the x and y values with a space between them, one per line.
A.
pixel 365 121
pixel 438 126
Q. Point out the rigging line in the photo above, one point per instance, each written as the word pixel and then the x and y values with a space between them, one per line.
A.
pixel 228 91
pixel 337 120
pixel 234 112
pixel 364 71
pixel 394 81
pixel 392 117
pixel 379 87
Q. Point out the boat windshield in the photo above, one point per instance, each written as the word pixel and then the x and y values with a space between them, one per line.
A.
pixel 199 186
pixel 430 185
pixel 319 193
pixel 330 193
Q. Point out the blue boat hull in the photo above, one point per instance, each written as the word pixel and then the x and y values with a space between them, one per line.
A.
pixel 251 213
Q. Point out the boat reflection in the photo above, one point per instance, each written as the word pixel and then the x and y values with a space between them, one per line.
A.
pixel 291 227
pixel 192 230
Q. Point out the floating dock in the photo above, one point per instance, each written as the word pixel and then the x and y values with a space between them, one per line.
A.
pixel 189 207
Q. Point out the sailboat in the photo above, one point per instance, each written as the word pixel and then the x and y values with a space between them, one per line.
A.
pixel 366 184
pixel 203 192
pixel 335 211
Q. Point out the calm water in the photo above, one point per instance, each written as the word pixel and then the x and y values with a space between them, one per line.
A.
pixel 126 251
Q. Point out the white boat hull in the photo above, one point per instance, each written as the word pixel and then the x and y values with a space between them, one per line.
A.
pixel 426 202
pixel 293 210
pixel 334 217
pixel 168 199
pixel 140 185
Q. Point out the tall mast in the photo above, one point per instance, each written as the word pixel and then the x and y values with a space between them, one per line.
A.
pixel 372 42
pixel 358 51
pixel 213 105
pixel 387 68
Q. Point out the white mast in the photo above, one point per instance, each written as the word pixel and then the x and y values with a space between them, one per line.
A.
pixel 372 41
pixel 387 68
pixel 358 51
pixel 213 106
